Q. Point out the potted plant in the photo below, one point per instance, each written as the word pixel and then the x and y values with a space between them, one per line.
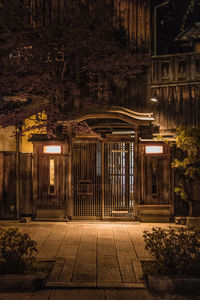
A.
pixel 188 172
pixel 19 268
pixel 176 265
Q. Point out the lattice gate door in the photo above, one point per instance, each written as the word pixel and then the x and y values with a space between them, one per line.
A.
pixel 114 195
pixel 119 179
pixel 87 180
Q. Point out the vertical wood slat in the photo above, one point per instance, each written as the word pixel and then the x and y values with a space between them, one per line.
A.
pixel 26 192
pixel 148 25
pixel 148 181
pixel 136 179
pixel 118 179
pixel 86 185
pixel 142 179
pixel 9 188
pixel 164 177
pixel 35 178
pixel 1 182
pixel 139 23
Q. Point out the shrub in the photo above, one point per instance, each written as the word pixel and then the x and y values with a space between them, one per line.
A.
pixel 16 251
pixel 174 252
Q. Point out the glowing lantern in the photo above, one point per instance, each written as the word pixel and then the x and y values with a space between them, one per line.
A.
pixel 153 149
pixel 52 149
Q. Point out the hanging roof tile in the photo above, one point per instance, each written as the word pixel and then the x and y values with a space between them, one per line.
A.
pixel 190 34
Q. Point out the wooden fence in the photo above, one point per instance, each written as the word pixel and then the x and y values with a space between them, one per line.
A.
pixel 9 182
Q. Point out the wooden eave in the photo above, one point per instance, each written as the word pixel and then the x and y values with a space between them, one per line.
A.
pixel 126 115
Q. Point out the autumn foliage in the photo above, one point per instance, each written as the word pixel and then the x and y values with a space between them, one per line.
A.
pixel 63 59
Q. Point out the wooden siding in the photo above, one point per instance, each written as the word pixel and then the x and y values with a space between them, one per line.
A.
pixel 43 197
pixel 8 184
pixel 1 182
pixel 175 69
pixel 175 82
pixel 25 179
pixel 134 14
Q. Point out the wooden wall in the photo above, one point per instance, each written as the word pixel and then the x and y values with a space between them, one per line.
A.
pixel 8 184
pixel 175 82
pixel 26 193
pixel 161 181
pixel 43 197
pixel 135 16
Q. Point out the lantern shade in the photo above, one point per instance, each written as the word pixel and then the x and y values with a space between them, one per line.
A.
pixel 52 149
pixel 154 149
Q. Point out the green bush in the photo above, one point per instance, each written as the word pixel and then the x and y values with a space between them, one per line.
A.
pixel 174 252
pixel 16 251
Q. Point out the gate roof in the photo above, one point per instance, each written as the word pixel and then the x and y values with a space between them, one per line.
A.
pixel 121 113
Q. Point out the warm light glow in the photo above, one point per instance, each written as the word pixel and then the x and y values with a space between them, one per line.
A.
pixel 52 149
pixel 51 172
pixel 154 99
pixel 153 149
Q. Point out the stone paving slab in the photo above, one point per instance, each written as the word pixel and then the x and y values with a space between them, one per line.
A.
pixel 93 294
pixel 95 255
pixel 91 254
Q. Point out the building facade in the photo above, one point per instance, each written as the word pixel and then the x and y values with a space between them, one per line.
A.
pixel 122 170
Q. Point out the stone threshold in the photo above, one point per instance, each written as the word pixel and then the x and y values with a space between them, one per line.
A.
pixel 61 285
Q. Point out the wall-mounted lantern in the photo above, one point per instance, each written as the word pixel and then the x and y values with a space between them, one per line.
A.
pixel 153 99
pixel 154 149
pixel 55 149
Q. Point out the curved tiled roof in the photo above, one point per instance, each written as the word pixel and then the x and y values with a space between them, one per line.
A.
pixel 190 34
pixel 122 113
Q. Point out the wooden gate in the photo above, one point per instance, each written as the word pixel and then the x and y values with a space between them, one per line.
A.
pixel 119 179
pixel 103 179
pixel 87 180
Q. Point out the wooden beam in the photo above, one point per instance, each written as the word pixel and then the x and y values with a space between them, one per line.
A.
pixel 70 200
pixel 102 177
pixel 136 169
pixel 1 182
pixel 35 179
pixel 17 168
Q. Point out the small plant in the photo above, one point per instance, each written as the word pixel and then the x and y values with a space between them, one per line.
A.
pixel 188 168
pixel 16 251
pixel 174 252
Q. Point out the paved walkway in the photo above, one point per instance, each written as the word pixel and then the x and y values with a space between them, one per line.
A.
pixel 91 254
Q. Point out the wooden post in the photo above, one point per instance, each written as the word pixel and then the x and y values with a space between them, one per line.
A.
pixel 69 180
pixel 17 167
pixel 102 177
pixel 34 176
pixel 172 178
pixel 136 170
pixel 1 182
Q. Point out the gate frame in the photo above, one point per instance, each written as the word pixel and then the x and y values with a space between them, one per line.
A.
pixel 115 139
pixel 131 117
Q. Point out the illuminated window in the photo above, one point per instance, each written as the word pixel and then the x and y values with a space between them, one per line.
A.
pixel 51 175
pixel 153 149
pixel 52 149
